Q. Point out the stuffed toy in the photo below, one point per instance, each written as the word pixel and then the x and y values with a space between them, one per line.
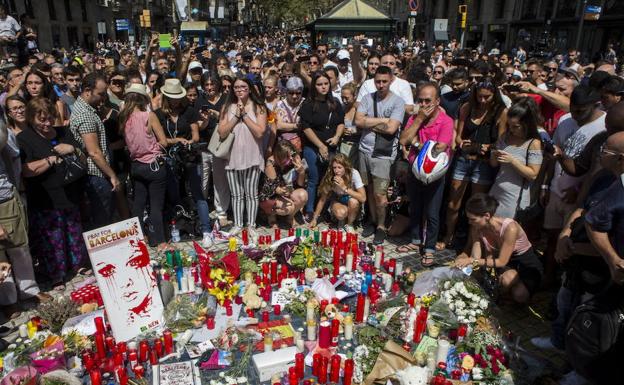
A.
pixel 251 299
pixel 331 312
pixel 412 375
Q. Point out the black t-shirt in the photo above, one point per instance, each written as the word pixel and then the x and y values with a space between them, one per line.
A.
pixel 607 215
pixel 48 191
pixel 181 128
pixel 321 121
pixel 452 101
pixel 202 101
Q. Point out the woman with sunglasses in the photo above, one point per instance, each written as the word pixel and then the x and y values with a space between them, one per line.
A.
pixel 244 115
pixel 438 75
pixel 481 122
pixel 213 168
pixel 283 184
pixel 287 113
pixel 322 121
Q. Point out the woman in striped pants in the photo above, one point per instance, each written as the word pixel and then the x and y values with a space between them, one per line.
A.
pixel 245 115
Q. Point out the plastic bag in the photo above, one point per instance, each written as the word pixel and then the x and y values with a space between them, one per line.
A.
pixel 323 289
pixel 428 281
pixel 443 315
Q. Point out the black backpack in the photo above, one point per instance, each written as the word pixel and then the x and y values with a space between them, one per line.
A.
pixel 594 338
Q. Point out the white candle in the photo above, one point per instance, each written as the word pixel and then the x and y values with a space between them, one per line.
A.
pixel 184 284
pixel 348 328
pixel 23 331
pixel 398 269
pixel 378 253
pixel 191 282
pixel 311 330
pixel 300 345
pixel 349 262
pixel 388 282
pixel 443 348
pixel 366 308
pixel 310 311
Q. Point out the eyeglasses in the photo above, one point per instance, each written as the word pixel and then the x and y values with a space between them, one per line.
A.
pixel 118 82
pixel 552 69
pixel 604 150
pixel 294 92
pixel 313 62
pixel 17 109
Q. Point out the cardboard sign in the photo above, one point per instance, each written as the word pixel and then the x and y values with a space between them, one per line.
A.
pixel 121 265
pixel 179 373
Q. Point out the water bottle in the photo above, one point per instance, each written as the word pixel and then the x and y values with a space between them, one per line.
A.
pixel 175 233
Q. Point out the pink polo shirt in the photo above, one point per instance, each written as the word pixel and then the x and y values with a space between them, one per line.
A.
pixel 439 130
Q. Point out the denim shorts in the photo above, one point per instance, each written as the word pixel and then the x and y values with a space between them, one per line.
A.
pixel 475 171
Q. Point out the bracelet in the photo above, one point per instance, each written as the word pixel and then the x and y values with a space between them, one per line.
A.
pixel 48 160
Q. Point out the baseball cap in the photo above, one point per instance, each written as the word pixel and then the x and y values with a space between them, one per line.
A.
pixel 343 54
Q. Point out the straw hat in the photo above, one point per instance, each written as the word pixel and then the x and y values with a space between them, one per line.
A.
pixel 173 89
pixel 137 89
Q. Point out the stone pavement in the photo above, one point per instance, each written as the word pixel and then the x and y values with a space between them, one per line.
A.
pixel 524 322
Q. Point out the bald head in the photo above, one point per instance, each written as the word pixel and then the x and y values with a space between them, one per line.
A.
pixel 615 142
pixel 608 68
pixel 614 121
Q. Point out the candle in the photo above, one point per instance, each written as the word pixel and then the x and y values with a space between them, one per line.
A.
pixel 398 268
pixel 322 375
pixel 300 345
pixel 317 236
pixel 291 232
pixel 277 234
pixel 299 365
pixel 232 244
pixel 335 330
pixel 316 364
pixel 378 253
pixel 349 261
pixel 335 369
pixel 324 304
pixel 348 327
pixel 293 378
pixel 245 236
pixel 336 271
pixel 391 266
pixel 359 309
pixel 388 282
pixel 143 351
pixel 133 359
pixel 311 330
pixel 139 371
pixel 100 346
pixel 348 372
pixel 268 343
pixel 87 359
pixel 153 357
pixel 191 282
pixel 265 316
pixel 183 280
pixel 99 325
pixel 120 373
pixel 158 347
pixel 324 238
pixel 411 298
pixel 324 334
pixel 298 232
pixel 273 271
pixel 228 310
pixel 210 322
pixel 277 309
pixel 443 348
pixel 95 376
pixel 168 337
pixel 366 308
pixel 23 331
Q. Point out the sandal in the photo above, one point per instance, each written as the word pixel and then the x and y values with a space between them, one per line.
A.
pixel 59 287
pixel 427 257
pixel 408 248
pixel 86 272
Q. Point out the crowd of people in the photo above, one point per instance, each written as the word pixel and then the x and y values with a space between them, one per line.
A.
pixel 269 130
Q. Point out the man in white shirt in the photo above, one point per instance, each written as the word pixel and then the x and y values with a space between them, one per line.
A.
pixel 345 73
pixel 398 86
pixel 9 31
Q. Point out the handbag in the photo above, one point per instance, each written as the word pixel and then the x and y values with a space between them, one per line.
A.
pixel 534 209
pixel 221 147
pixel 72 168
pixel 490 282
pixel 384 143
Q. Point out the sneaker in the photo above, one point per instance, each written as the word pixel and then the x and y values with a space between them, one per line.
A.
pixel 235 230
pixel 207 241
pixel 572 378
pixel 543 343
pixel 348 229
pixel 380 236
pixel 368 229
pixel 253 235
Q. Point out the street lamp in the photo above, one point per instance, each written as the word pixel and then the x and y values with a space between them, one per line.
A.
pixel 580 27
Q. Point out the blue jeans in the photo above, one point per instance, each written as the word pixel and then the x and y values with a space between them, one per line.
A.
pixel 424 209
pixel 101 200
pixel 194 175
pixel 316 170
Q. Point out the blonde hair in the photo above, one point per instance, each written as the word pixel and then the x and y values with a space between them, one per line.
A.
pixel 326 184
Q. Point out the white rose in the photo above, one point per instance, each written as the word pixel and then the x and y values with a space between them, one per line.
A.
pixel 483 304
pixel 452 306
pixel 447 285
pixel 472 319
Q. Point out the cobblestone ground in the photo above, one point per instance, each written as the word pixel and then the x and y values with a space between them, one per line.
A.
pixel 524 322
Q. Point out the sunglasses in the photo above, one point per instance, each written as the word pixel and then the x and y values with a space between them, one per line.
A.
pixel 321 51
pixel 438 72
pixel 424 100
pixel 552 69
pixel 118 82
pixel 314 62
pixel 294 93
pixel 529 71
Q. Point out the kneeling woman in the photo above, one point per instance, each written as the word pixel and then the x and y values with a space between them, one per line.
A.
pixel 342 187
pixel 501 243
pixel 282 190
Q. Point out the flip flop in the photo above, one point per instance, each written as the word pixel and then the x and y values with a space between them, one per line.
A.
pixel 408 248
pixel 427 257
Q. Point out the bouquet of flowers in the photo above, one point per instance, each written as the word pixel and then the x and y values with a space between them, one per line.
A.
pixel 302 253
pixel 222 285
pixel 465 299
pixel 298 302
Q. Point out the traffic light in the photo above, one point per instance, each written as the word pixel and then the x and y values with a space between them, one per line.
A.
pixel 463 11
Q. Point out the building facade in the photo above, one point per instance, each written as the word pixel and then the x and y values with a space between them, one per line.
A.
pixel 551 24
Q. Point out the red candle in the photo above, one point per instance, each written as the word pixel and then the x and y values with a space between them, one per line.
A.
pixel 210 322
pixel 461 332
pixel 299 365
pixel 99 325
pixel 245 236
pixel 143 351
pixel 324 238
pixel 267 239
pixel 277 234
pixel 153 357
pixel 359 309
pixel 168 337
pixel 322 376
pixel 336 261
pixel 293 379
pixel 133 359
pixel 100 346
pixel 118 359
pixel 87 359
pixel 120 373
pixel 265 269
pixel 392 266
pixel 250 313
pixel 335 301
pixel 334 375
pixel 277 309
pixel 395 289
pixel 323 305
pixel 273 271
pixel 96 376
pixel 411 297
pixel 339 238
pixel 139 371
pixel 291 232
pixel 348 372
pixel 335 330
pixel 324 338
pixel 158 347
pixel 265 316
pixel 110 343
pixel 228 310
pixel 316 364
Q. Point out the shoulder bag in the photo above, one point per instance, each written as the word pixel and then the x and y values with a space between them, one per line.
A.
pixel 71 167
pixel 384 143
pixel 221 147
pixel 534 209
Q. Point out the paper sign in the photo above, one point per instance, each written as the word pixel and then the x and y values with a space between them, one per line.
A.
pixel 278 298
pixel 164 40
pixel 179 373
pixel 121 265
pixel 83 324
pixel 199 349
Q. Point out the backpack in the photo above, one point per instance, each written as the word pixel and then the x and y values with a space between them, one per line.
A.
pixel 594 337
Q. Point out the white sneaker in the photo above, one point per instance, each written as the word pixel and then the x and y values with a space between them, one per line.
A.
pixel 543 343
pixel 348 229
pixel 234 231
pixel 572 378
pixel 207 240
